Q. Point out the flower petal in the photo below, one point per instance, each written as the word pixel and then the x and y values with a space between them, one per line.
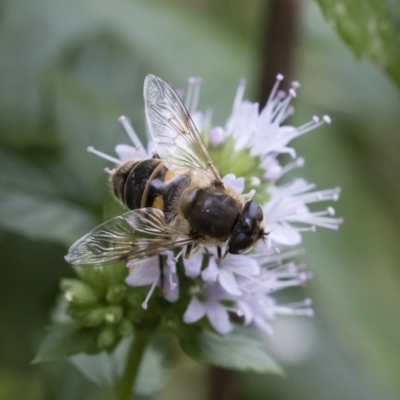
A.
pixel 217 136
pixel 234 183
pixel 144 272
pixel 210 274
pixel 193 265
pixel 219 318
pixel 195 311
pixel 287 236
pixel 241 264
pixel 171 290
pixel 125 152
pixel 228 282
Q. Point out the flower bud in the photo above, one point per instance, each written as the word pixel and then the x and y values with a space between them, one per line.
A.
pixel 113 315
pixel 94 318
pixel 78 293
pixel 107 337
pixel 116 293
pixel 125 328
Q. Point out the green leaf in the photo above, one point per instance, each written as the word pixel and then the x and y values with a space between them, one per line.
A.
pixel 234 351
pixel 370 28
pixel 102 369
pixel 65 339
pixel 32 206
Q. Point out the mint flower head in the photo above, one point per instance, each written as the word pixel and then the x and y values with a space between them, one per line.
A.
pixel 210 291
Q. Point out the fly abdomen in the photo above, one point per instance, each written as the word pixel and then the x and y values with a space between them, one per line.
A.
pixel 149 183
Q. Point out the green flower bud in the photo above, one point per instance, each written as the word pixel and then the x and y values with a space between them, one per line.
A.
pixel 116 293
pixel 125 328
pixel 107 337
pixel 135 297
pixel 113 315
pixel 78 293
pixel 94 318
pixel 115 274
pixel 78 312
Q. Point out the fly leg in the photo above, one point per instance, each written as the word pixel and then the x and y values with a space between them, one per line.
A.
pixel 219 252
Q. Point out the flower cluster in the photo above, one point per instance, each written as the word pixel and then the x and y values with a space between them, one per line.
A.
pixel 240 287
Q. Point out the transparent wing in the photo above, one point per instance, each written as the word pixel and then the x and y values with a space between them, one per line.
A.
pixel 135 234
pixel 173 130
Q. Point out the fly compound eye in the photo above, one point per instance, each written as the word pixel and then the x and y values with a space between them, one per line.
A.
pixel 240 243
pixel 253 210
pixel 246 226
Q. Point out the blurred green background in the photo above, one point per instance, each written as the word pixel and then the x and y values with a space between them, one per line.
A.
pixel 68 70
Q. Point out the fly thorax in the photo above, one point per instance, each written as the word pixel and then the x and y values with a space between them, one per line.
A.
pixel 210 212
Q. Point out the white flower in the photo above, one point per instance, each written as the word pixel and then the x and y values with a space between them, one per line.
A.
pixel 286 212
pixel 243 285
pixel 148 272
pixel 263 131
pixel 211 307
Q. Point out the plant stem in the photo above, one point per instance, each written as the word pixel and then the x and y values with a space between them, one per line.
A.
pixel 128 379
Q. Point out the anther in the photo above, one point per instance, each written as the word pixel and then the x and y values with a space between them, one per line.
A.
pixel 327 119
pixel 91 149
pixel 146 300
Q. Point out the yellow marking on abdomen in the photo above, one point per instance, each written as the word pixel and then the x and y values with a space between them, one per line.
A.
pixel 158 203
pixel 169 176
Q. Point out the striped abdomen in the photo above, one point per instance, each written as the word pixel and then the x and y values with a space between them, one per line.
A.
pixel 149 183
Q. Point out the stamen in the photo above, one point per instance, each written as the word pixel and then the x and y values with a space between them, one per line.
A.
pixel 269 259
pixel 295 84
pixel 253 279
pixel 192 94
pixel 299 162
pixel 153 286
pixel 196 95
pixel 330 210
pixel 299 308
pixel 126 123
pixel 114 160
pixel 315 123
pixel 239 93
pixel 176 258
pixel 180 93
pixel 279 113
pixel 189 93
pixel 316 219
pixel 279 79
pixel 327 119
pixel 312 228
pixel 305 277
pixel 312 197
